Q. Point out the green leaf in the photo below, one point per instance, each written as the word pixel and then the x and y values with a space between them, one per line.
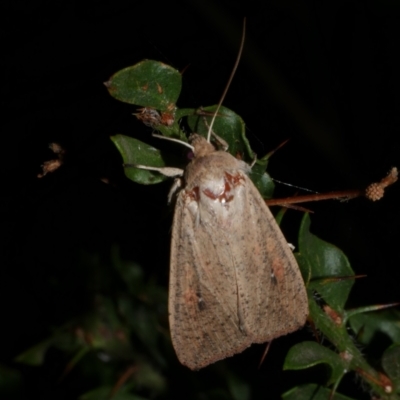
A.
pixel 308 354
pixel 11 383
pixel 104 392
pixel 262 181
pixel 130 272
pixel 327 264
pixel 150 377
pixel 148 84
pixel 143 324
pixel 35 355
pixel 238 388
pixel 185 112
pixel 135 152
pixel 391 365
pixel 368 324
pixel 312 391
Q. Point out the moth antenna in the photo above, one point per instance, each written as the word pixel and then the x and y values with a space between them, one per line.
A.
pixel 174 140
pixel 223 143
pixel 229 80
pixel 294 186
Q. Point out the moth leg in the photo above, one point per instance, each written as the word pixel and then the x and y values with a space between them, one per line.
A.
pixel 167 171
pixel 174 188
pixel 221 142
pixel 254 160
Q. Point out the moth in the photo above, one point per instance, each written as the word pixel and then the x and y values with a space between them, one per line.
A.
pixel 233 278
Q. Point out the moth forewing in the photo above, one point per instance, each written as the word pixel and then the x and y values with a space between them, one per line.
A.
pixel 283 306
pixel 233 279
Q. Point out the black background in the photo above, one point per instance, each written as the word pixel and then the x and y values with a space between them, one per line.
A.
pixel 323 74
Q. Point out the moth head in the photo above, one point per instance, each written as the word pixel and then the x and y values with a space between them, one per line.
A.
pixel 200 145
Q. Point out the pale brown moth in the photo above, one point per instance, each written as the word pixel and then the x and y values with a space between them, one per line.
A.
pixel 233 278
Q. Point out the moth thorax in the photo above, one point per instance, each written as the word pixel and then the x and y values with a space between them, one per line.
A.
pixel 200 144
